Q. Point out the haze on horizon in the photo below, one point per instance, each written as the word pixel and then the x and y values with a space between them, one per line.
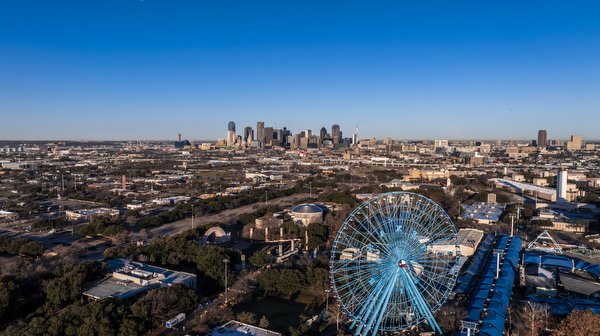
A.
pixel 130 69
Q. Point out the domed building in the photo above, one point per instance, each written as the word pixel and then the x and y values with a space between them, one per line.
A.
pixel 305 214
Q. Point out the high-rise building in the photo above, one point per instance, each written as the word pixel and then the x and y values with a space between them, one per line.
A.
pixel 268 131
pixel 248 134
pixel 260 133
pixel 576 143
pixel 542 139
pixel 285 135
pixel 336 134
pixel 561 186
pixel 231 137
pixel 322 135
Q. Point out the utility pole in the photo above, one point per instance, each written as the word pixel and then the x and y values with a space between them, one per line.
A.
pixel 225 261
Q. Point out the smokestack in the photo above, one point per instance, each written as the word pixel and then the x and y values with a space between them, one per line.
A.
pixel 123 182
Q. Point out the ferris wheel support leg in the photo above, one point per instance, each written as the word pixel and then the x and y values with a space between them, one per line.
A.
pixel 384 303
pixel 367 310
pixel 419 302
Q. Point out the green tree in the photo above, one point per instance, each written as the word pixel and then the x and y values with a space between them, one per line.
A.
pixel 210 263
pixel 261 259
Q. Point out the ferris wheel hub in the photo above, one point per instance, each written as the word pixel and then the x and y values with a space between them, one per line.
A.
pixel 402 263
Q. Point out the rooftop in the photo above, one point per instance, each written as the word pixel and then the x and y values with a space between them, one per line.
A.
pixel 131 278
pixel 235 328
pixel 483 211
pixel 307 208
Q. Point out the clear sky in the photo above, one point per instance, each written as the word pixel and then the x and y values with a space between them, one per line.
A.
pixel 131 69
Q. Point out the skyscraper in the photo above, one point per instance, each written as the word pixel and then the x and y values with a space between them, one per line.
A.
pixel 268 131
pixel 248 134
pixel 260 133
pixel 542 139
pixel 561 186
pixel 231 137
pixel 322 135
pixel 336 134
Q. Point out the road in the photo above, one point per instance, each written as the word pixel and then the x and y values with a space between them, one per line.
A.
pixel 221 217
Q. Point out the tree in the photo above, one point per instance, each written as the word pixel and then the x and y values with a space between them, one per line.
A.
pixel 247 317
pixel 66 287
pixel 264 322
pixel 579 323
pixel 210 262
pixel 32 248
pixel 531 319
pixel 261 259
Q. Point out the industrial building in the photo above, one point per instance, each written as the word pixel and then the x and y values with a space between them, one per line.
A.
pixel 130 278
pixel 547 194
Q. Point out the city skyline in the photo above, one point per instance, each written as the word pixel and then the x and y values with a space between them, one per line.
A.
pixel 127 70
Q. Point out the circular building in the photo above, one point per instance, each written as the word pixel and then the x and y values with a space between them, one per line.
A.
pixel 305 214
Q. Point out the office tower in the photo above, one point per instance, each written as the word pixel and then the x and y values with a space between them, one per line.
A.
pixel 285 135
pixel 231 134
pixel 355 136
pixel 260 133
pixel 268 134
pixel 336 134
pixel 576 143
pixel 542 139
pixel 322 135
pixel 248 134
pixel 561 186
pixel 308 133
pixel 277 137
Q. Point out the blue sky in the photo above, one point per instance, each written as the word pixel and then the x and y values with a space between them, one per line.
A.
pixel 125 69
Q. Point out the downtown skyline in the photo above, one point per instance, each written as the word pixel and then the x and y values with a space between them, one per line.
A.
pixel 150 70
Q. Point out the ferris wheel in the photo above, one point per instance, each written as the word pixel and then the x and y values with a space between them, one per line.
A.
pixel 392 263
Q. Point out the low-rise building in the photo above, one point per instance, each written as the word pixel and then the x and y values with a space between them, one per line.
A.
pixel 89 214
pixel 235 328
pixel 468 240
pixel 129 279
pixel 483 213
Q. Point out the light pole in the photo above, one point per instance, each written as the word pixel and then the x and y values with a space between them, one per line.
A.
pixel 327 300
pixel 192 216
pixel 498 252
pixel 225 261
pixel 512 223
